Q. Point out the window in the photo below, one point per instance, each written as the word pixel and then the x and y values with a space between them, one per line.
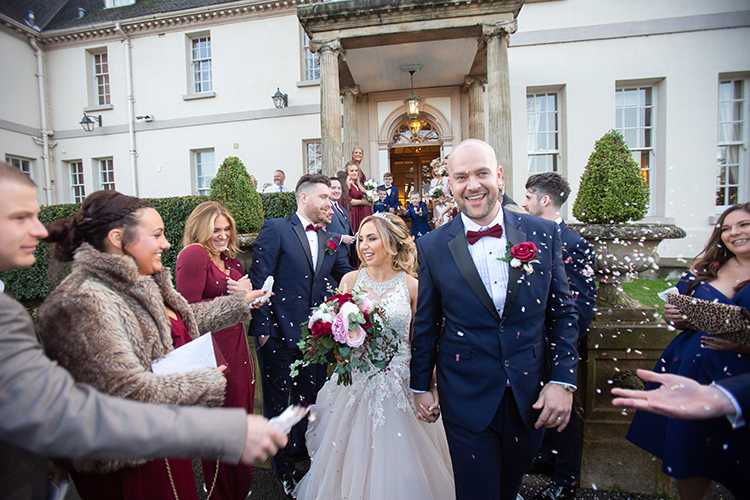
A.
pixel 542 133
pixel 24 164
pixel 205 171
pixel 107 175
pixel 77 190
pixel 634 108
pixel 731 157
pixel 108 4
pixel 311 64
pixel 101 78
pixel 201 64
pixel 313 157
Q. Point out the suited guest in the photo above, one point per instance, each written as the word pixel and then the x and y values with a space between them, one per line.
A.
pixel 278 183
pixel 44 412
pixel 391 193
pixel 295 250
pixel 340 225
pixel 380 205
pixel 495 388
pixel 545 195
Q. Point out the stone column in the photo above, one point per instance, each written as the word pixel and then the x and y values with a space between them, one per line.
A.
pixel 498 89
pixel 350 97
pixel 330 105
pixel 474 85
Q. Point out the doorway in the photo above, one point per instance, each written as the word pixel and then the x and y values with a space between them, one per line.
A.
pixel 410 166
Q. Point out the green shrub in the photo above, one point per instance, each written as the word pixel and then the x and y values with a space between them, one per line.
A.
pixel 612 190
pixel 37 281
pixel 232 187
pixel 279 204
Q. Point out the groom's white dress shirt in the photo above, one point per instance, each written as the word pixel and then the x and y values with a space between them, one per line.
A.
pixel 484 253
pixel 312 239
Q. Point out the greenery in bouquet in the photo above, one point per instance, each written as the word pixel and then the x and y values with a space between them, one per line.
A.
pixel 352 328
pixel 436 192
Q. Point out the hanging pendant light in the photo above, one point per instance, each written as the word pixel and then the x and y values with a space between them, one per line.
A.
pixel 413 101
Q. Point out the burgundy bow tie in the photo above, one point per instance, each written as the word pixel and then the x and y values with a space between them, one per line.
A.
pixel 312 227
pixel 495 231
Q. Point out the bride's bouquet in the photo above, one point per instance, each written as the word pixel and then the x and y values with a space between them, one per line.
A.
pixel 355 329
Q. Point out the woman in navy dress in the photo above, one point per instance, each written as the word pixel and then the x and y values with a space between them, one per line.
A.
pixel 695 452
pixel 207 268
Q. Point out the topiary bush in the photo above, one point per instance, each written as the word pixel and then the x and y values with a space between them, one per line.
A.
pixel 279 204
pixel 612 190
pixel 232 187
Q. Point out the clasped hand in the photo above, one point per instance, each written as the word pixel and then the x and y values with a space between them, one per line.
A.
pixel 244 285
pixel 556 404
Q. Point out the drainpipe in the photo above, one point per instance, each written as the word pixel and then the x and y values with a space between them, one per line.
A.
pixel 43 111
pixel 131 110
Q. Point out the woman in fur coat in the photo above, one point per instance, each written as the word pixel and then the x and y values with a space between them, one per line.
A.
pixel 117 312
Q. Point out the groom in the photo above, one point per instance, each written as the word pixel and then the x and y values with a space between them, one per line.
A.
pixel 501 373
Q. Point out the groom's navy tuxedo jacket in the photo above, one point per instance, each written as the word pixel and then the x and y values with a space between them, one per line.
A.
pixel 480 352
pixel 282 250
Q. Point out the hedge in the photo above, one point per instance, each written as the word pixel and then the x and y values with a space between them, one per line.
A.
pixel 233 187
pixel 279 204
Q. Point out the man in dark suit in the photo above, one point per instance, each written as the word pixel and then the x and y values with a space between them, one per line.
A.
pixel 297 252
pixel 545 195
pixel 495 389
pixel 341 225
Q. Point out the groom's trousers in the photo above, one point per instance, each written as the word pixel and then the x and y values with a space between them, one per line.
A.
pixel 490 464
pixel 280 390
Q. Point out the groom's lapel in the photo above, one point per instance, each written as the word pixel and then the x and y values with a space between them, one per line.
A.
pixel 322 245
pixel 300 231
pixel 514 235
pixel 459 249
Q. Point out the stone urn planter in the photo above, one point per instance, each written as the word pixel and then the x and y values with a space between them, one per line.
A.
pixel 623 251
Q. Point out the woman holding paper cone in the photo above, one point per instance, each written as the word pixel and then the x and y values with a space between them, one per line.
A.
pixel 114 315
pixel 207 268
pixel 696 452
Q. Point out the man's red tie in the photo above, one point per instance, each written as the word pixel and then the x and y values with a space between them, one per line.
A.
pixel 495 231
pixel 312 227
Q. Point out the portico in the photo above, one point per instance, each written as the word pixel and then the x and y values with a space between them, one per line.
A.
pixel 462 49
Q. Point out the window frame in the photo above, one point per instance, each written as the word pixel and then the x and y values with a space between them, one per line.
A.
pixel 309 57
pixel 556 152
pixel 101 80
pixel 197 87
pixel 77 185
pixel 740 143
pixel 317 162
pixel 109 162
pixel 197 164
pixel 19 161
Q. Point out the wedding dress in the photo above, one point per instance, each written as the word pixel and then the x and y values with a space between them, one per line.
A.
pixel 365 441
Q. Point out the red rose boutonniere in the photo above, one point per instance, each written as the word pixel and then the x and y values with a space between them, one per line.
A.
pixel 332 246
pixel 521 255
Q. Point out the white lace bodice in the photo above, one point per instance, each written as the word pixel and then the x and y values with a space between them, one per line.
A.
pixel 393 296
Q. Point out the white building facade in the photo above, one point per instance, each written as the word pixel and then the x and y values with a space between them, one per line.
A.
pixel 179 90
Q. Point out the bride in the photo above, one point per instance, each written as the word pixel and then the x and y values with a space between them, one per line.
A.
pixel 365 441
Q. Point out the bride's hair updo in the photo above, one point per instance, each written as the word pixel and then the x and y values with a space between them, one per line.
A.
pixel 397 241
pixel 101 212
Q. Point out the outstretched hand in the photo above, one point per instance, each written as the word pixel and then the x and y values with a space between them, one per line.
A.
pixel 678 397
pixel 556 404
pixel 263 440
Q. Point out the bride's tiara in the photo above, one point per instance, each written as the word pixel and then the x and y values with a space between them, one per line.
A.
pixel 381 215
